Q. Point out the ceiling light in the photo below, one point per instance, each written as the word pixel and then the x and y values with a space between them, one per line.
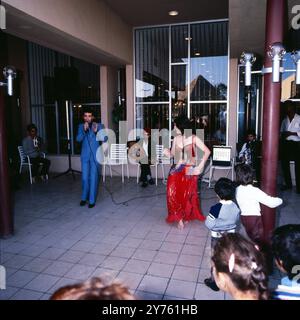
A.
pixel 197 54
pixel 188 38
pixel 173 13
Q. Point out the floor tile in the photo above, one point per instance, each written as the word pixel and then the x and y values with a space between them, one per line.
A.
pixel 181 289
pixel 153 285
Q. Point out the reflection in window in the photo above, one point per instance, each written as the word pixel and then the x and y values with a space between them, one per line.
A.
pixel 152 64
pixel 153 116
pixel 209 61
pixel 179 90
pixel 195 64
pixel 180 42
pixel 212 118
pixel 288 84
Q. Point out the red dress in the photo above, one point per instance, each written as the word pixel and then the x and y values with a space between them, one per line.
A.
pixel 182 193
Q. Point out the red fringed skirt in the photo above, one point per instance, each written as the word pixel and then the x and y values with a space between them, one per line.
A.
pixel 182 196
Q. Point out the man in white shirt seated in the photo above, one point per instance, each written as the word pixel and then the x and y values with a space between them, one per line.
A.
pixel 290 145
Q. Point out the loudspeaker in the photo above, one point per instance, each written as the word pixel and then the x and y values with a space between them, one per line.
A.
pixel 67 86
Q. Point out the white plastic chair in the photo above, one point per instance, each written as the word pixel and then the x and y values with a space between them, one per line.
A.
pixel 25 161
pixel 161 160
pixel 117 155
pixel 228 168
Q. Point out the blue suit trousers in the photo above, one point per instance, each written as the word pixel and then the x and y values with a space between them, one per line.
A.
pixel 90 179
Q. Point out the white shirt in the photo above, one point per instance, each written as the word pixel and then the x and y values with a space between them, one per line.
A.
pixel 249 199
pixel 292 126
pixel 145 147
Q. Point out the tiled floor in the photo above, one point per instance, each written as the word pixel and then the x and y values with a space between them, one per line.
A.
pixel 56 242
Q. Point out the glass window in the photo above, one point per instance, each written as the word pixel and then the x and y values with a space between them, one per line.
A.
pixel 179 43
pixel 48 71
pixel 189 74
pixel 288 85
pixel 154 116
pixel 212 117
pixel 209 61
pixel 179 90
pixel 249 110
pixel 152 64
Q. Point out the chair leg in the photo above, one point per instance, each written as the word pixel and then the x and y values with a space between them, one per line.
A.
pixel 30 175
pixel 156 174
pixel 210 177
pixel 122 173
pixel 20 170
pixel 163 172
pixel 127 171
pixel 137 173
pixel 228 173
pixel 110 171
pixel 103 173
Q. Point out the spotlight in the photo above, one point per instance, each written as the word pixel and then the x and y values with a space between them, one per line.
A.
pixel 276 53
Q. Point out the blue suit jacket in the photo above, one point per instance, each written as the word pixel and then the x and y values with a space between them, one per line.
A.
pixel 90 141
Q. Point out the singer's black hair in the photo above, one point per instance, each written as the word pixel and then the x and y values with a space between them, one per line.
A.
pixel 88 110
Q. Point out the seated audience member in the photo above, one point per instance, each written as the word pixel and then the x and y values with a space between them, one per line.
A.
pixel 93 289
pixel 286 250
pixel 34 148
pixel 249 153
pixel 141 151
pixel 222 218
pixel 239 268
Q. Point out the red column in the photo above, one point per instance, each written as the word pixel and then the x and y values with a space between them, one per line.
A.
pixel 275 25
pixel 6 211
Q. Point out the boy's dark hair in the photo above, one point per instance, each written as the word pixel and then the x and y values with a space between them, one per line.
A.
pixel 286 247
pixel 31 127
pixel 225 189
pixel 251 132
pixel 244 174
pixel 249 271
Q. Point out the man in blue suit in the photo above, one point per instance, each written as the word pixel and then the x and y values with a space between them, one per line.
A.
pixel 89 134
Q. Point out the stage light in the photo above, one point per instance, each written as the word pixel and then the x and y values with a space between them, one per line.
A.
pixel 276 52
pixel 247 59
pixel 296 58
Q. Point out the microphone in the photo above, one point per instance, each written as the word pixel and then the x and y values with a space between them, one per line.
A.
pixel 86 130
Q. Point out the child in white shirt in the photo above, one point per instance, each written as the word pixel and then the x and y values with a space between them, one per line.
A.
pixel 249 198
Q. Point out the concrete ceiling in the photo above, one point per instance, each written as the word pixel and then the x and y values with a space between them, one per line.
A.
pixel 28 28
pixel 246 24
pixel 155 12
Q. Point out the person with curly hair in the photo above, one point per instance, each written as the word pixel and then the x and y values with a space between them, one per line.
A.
pixel 93 289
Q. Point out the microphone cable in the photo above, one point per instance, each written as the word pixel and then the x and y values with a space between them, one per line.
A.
pixel 125 203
